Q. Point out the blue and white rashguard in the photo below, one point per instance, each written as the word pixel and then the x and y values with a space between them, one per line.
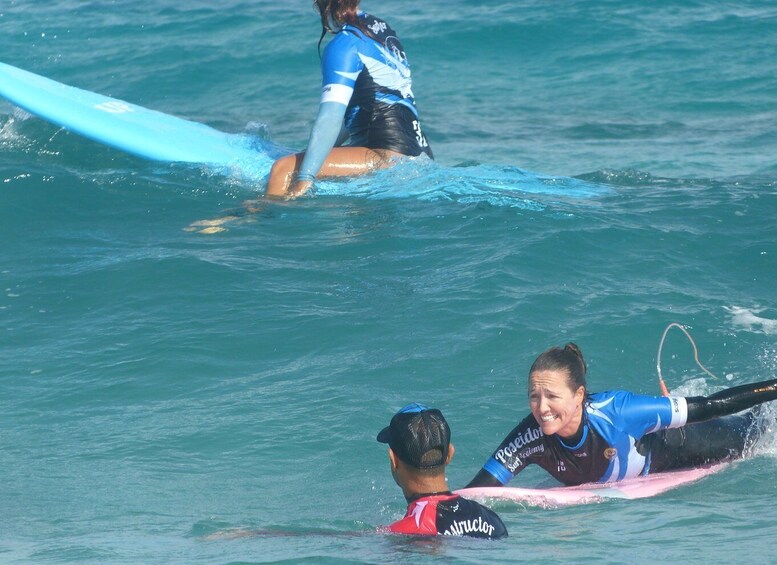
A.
pixel 609 448
pixel 371 77
pixel 624 435
pixel 367 93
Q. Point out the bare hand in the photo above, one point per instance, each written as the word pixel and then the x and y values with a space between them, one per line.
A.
pixel 298 188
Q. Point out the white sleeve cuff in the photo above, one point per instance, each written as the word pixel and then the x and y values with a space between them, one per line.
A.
pixel 679 411
pixel 336 93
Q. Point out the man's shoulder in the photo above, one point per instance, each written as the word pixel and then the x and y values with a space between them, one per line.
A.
pixel 449 515
pixel 420 518
pixel 459 516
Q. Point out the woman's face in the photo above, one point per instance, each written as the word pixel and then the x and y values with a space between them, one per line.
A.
pixel 557 408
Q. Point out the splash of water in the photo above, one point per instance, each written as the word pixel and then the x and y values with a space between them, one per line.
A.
pixel 747 319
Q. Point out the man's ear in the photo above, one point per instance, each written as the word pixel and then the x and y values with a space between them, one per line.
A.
pixel 393 458
pixel 451 451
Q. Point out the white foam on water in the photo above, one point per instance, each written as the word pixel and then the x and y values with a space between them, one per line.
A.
pixel 425 180
pixel 747 319
pixel 7 133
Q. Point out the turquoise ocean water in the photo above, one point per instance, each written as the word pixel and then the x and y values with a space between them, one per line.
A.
pixel 163 392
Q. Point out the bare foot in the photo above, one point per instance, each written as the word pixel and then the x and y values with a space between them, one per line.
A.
pixel 215 225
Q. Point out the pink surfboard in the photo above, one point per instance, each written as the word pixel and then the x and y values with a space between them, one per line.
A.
pixel 638 487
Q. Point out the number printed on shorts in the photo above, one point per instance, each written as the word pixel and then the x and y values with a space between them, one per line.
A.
pixel 419 135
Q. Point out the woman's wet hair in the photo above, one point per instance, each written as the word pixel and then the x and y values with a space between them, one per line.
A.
pixel 345 11
pixel 339 10
pixel 568 359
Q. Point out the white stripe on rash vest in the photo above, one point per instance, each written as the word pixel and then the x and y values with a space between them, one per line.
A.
pixel 679 411
pixel 339 93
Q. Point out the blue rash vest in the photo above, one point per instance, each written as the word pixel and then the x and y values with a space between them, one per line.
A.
pixel 371 76
pixel 609 448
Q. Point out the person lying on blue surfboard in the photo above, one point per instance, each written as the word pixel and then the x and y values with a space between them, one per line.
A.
pixel 367 99
pixel 580 437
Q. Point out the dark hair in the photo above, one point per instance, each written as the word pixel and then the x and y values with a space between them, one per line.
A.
pixel 341 11
pixel 568 359
pixel 430 458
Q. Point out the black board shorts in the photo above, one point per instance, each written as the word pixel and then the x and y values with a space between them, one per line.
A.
pixel 395 128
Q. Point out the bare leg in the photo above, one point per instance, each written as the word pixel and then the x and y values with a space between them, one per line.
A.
pixel 341 162
pixel 282 173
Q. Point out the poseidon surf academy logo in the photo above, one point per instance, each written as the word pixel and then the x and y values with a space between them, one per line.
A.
pixel 509 456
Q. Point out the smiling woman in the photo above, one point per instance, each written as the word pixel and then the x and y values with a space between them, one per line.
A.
pixel 556 403
pixel 579 437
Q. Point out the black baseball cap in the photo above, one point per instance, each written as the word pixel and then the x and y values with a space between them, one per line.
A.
pixel 419 436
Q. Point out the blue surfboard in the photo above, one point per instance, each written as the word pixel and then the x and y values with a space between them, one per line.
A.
pixel 158 136
pixel 140 131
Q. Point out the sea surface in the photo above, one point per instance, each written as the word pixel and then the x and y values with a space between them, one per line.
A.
pixel 171 396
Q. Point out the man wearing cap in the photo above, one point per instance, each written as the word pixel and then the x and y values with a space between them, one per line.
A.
pixel 419 449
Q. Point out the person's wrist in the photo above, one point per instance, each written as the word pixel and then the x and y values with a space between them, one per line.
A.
pixel 304 177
